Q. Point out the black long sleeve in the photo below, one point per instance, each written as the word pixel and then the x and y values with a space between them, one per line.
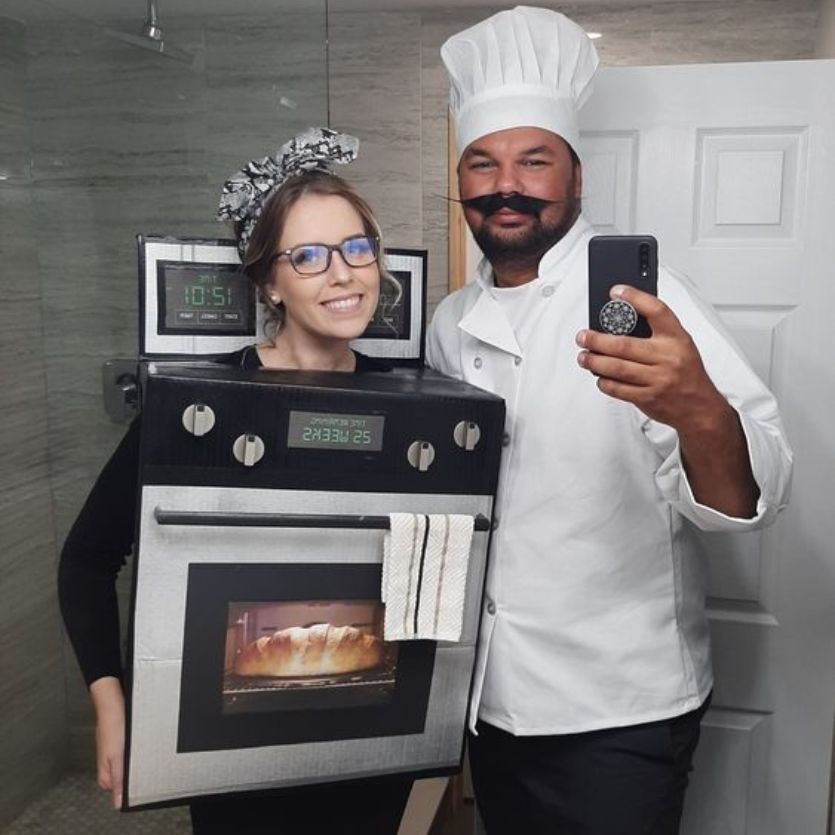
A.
pixel 95 550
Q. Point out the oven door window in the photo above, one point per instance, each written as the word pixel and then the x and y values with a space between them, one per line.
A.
pixel 292 653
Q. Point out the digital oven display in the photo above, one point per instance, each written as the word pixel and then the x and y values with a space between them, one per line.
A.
pixel 205 299
pixel 326 430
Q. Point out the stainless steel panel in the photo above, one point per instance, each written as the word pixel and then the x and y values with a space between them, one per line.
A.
pixel 157 772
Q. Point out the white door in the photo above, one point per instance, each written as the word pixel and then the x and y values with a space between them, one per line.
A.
pixel 732 167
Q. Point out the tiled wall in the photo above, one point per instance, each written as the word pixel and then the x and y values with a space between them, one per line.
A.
pixel 387 87
pixel 100 141
pixel 32 718
pixel 121 141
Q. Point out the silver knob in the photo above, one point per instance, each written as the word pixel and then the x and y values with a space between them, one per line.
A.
pixel 420 455
pixel 248 450
pixel 198 419
pixel 466 434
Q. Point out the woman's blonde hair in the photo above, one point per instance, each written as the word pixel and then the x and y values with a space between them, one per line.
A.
pixel 259 256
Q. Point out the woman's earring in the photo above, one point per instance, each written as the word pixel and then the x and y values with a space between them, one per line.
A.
pixel 275 300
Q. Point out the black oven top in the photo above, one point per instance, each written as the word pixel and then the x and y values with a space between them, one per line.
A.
pixel 403 431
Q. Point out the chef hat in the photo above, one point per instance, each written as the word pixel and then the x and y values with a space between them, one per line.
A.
pixel 525 67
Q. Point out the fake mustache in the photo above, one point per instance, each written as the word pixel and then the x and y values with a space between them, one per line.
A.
pixel 488 204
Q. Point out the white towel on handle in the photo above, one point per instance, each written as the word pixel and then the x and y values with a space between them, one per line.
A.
pixel 425 560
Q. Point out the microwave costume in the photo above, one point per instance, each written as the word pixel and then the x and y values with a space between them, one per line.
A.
pixel 593 615
pixel 284 518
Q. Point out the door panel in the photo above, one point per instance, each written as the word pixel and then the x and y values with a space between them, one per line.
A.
pixel 734 744
pixel 610 164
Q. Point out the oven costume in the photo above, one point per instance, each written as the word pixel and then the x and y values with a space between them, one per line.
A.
pixel 95 550
pixel 594 637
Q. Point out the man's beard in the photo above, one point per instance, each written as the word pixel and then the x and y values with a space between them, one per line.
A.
pixel 522 247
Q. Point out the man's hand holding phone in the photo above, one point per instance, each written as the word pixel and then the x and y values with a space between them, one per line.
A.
pixel 662 374
pixel 664 377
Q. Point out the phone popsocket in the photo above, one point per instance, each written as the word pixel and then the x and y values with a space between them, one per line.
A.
pixel 618 317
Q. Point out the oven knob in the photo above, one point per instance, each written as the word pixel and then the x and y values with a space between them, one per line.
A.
pixel 420 455
pixel 466 434
pixel 198 419
pixel 248 450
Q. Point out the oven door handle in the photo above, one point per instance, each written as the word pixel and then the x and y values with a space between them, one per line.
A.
pixel 284 520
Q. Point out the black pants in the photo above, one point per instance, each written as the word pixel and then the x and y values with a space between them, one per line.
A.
pixel 618 781
pixel 360 807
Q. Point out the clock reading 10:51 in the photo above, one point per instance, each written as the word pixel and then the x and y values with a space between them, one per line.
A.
pixel 207 293
pixel 205 299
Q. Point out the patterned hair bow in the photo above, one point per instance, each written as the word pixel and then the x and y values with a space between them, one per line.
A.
pixel 245 194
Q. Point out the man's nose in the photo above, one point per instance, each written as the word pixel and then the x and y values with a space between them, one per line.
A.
pixel 507 180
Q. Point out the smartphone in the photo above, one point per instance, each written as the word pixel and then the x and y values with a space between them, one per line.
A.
pixel 620 259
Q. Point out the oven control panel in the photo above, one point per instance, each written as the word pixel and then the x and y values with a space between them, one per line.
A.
pixel 405 430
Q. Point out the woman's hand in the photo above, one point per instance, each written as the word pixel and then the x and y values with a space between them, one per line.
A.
pixel 109 703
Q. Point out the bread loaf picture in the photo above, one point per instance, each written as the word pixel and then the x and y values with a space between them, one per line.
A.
pixel 321 649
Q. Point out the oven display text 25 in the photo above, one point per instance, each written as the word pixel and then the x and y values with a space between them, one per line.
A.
pixel 327 430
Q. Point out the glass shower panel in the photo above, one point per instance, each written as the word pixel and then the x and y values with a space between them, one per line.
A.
pixel 125 140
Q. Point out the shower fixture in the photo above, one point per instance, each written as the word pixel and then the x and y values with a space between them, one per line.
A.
pixel 151 37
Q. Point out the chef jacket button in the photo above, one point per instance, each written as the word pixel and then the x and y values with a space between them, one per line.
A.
pixel 517 360
pixel 506 439
pixel 548 291
pixel 477 362
pixel 491 608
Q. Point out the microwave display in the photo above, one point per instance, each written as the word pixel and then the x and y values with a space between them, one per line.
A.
pixel 205 299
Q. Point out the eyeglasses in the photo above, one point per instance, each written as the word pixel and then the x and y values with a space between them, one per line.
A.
pixel 314 259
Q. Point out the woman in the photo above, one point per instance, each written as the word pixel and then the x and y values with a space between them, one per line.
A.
pixel 310 244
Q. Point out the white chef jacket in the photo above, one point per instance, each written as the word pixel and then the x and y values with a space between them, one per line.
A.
pixel 594 608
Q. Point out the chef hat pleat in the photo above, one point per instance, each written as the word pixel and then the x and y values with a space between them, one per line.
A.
pixel 525 67
pixel 531 71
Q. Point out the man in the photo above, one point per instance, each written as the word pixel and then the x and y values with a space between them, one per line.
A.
pixel 594 659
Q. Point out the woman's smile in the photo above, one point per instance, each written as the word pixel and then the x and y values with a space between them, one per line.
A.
pixel 343 304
